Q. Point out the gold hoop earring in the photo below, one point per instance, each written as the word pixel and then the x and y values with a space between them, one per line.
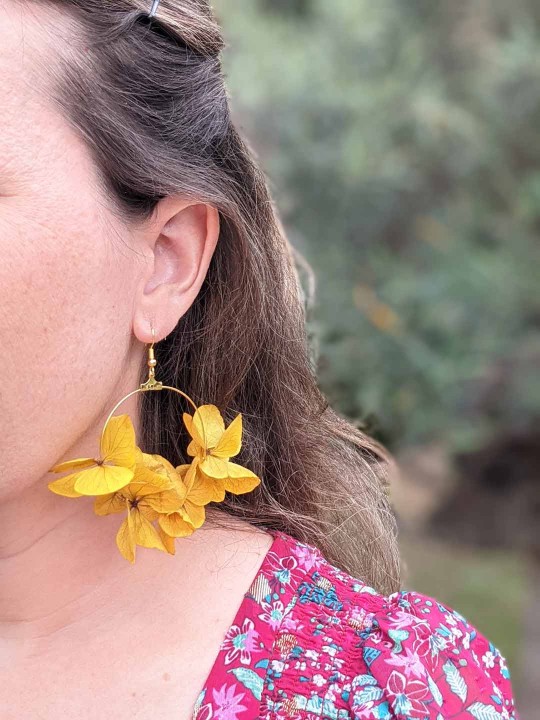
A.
pixel 162 502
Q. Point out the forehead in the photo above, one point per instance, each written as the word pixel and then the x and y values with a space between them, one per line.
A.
pixel 26 112
pixel 20 47
pixel 19 100
pixel 35 137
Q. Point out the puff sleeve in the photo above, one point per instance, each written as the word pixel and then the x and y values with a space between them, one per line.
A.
pixel 421 659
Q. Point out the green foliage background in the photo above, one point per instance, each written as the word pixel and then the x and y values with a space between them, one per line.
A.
pixel 402 141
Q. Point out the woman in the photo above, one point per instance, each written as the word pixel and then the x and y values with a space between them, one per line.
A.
pixel 132 212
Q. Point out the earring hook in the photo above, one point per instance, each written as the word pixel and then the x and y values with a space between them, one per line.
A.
pixel 151 383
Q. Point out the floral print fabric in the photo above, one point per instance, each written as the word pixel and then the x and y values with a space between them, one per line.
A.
pixel 311 642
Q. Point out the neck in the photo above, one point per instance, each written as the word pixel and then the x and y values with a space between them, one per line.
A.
pixel 60 570
pixel 55 554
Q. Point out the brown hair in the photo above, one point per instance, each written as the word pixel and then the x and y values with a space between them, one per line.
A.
pixel 149 99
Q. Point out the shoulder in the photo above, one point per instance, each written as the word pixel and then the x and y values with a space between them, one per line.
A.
pixel 423 659
pixel 347 651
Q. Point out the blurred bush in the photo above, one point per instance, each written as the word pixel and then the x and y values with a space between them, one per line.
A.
pixel 403 146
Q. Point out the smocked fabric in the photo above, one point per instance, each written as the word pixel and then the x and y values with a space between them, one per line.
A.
pixel 311 642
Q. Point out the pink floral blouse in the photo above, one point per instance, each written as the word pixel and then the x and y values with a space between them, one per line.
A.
pixel 313 643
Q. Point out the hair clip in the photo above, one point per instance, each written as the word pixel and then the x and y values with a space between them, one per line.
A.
pixel 155 5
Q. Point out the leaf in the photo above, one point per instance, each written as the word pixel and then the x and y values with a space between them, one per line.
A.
pixel 370 655
pixel 313 705
pixel 363 680
pixel 367 695
pixel 443 630
pixel 249 680
pixel 199 702
pixel 455 680
pixel 437 695
pixel 484 712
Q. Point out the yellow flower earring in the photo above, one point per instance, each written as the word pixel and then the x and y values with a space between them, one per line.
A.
pixel 162 502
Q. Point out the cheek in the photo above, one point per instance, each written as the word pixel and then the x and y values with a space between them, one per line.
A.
pixel 63 309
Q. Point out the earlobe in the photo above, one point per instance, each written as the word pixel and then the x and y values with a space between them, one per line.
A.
pixel 181 255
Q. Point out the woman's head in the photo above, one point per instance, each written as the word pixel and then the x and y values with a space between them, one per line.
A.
pixel 82 280
pixel 128 199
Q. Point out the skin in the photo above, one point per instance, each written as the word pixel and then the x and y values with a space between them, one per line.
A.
pixel 79 292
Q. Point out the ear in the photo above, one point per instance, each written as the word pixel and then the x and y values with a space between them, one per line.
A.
pixel 180 243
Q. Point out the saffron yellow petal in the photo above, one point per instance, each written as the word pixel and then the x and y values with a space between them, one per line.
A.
pixel 168 541
pixel 149 459
pixel 65 486
pixel 189 473
pixel 181 488
pixel 214 467
pixel 146 481
pixel 102 479
pixel 72 464
pixel 125 539
pixel 108 504
pixel 159 465
pixel 231 440
pixel 208 425
pixel 148 512
pixel 139 489
pixel 218 490
pixel 202 492
pixel 145 533
pixel 196 513
pixel 194 450
pixel 171 481
pixel 182 469
pixel 200 488
pixel 164 502
pixel 192 430
pixel 175 525
pixel 196 431
pixel 119 443
pixel 211 484
pixel 134 501
pixel 240 479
